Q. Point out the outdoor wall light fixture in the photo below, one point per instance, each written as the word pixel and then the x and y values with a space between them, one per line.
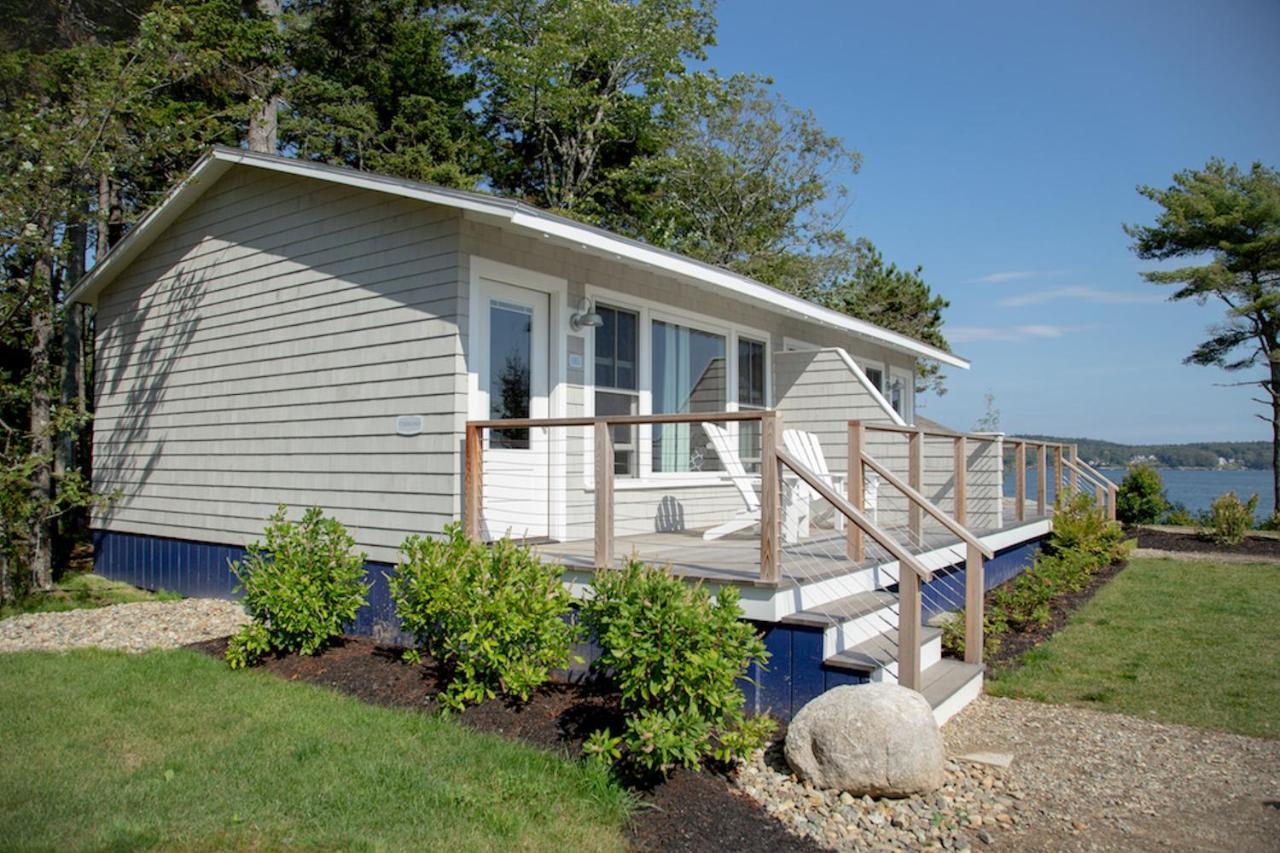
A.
pixel 585 317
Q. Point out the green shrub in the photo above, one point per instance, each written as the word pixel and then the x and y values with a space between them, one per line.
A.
pixel 301 586
pixel 676 655
pixel 1080 525
pixel 1083 542
pixel 496 615
pixel 1229 519
pixel 248 645
pixel 1140 498
pixel 1179 516
pixel 1272 523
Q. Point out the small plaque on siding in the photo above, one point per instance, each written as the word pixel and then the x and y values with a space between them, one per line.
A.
pixel 409 424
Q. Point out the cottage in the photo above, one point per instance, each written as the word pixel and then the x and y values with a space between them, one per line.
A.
pixel 406 356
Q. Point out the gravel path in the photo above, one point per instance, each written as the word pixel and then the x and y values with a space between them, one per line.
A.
pixel 130 627
pixel 975 801
pixel 1097 781
pixel 1079 780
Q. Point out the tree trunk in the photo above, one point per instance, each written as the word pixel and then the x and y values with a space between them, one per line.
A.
pixel 6 580
pixel 1274 388
pixel 265 119
pixel 115 215
pixel 41 556
pixel 72 347
pixel 72 525
pixel 103 242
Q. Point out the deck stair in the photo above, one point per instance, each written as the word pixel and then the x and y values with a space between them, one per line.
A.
pixel 860 637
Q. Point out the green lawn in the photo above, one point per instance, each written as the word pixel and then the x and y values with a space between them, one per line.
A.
pixel 77 590
pixel 105 750
pixel 1181 642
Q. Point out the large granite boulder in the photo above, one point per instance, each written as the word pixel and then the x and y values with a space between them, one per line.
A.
pixel 877 739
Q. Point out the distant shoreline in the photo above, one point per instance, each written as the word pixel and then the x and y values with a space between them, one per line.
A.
pixel 1189 456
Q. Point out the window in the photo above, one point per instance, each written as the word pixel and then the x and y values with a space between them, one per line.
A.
pixel 898 396
pixel 510 357
pixel 617 383
pixel 751 396
pixel 875 376
pixel 689 375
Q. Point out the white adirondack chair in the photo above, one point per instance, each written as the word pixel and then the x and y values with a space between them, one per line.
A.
pixel 793 525
pixel 806 447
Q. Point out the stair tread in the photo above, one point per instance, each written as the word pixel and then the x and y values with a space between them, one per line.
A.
pixel 945 678
pixel 878 651
pixel 844 609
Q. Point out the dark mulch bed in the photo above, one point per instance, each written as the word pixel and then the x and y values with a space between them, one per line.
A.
pixel 1016 643
pixel 1168 540
pixel 686 811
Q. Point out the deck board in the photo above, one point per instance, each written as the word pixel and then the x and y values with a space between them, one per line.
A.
pixel 736 558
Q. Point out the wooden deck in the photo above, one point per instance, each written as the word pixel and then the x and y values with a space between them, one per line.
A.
pixel 736 559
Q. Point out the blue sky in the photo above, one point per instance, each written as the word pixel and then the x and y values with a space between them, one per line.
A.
pixel 1001 146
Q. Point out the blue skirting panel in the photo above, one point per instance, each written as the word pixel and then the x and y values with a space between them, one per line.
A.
pixel 947 586
pixel 795 672
pixel 794 675
pixel 203 569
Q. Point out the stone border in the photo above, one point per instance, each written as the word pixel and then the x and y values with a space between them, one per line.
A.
pixel 1203 556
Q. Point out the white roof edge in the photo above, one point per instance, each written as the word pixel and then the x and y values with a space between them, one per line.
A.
pixel 866 383
pixel 519 215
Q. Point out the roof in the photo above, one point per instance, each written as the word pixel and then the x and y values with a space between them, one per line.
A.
pixel 507 213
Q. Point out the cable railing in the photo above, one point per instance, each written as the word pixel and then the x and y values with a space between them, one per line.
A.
pixel 921 507
pixel 1068 471
pixel 779 525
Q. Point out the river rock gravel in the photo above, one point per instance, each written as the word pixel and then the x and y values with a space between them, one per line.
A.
pixel 1079 780
pixel 127 627
pixel 1097 781
pixel 974 800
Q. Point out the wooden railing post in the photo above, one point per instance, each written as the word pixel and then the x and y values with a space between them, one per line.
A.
pixel 1057 472
pixel 1041 470
pixel 1111 506
pixel 961 484
pixel 975 587
pixel 915 479
pixel 1100 496
pixel 855 489
pixel 908 628
pixel 1020 480
pixel 1073 479
pixel 770 498
pixel 473 482
pixel 604 494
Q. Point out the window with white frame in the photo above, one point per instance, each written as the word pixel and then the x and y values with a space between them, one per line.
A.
pixel 875 375
pixel 689 374
pixel 617 380
pixel 751 397
pixel 899 394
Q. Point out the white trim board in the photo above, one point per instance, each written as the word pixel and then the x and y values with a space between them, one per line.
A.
pixel 506 213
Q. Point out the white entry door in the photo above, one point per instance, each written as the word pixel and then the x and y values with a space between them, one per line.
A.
pixel 514 360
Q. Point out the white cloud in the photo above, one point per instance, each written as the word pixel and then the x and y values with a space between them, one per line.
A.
pixel 1014 275
pixel 1008 334
pixel 1082 294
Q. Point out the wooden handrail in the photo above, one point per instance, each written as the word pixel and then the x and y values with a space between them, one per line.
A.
pixel 1084 473
pixel 929 507
pixel 933 433
pixel 883 539
pixel 621 420
pixel 1113 490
